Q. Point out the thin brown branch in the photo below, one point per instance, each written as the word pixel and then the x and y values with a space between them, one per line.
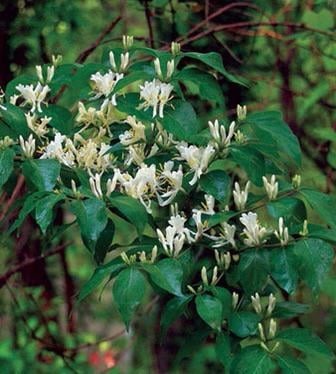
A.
pixel 19 267
pixel 216 14
pixel 10 201
pixel 86 53
pixel 237 25
pixel 149 24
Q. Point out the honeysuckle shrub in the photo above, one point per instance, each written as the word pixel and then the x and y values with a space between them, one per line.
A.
pixel 210 215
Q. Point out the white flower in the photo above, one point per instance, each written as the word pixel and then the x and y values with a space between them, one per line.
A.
pixel 198 158
pixel 95 185
pixel 256 303
pixel 253 231
pixel 124 62
pixel 170 69
pixel 241 112
pixel 50 73
pixel 33 96
pixel 135 134
pixel 143 186
pixel 226 236
pixel 28 146
pixel 155 94
pixel 86 116
pixel 56 150
pixel 282 233
pixel 175 235
pixel 223 259
pixel 103 84
pixel 127 41
pixel 174 181
pixel 271 187
pixel 218 133
pixel 240 196
pixel 208 206
pixel 38 125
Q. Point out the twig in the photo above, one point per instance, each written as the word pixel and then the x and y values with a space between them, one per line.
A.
pixel 149 24
pixel 18 186
pixel 237 25
pixel 86 53
pixel 15 269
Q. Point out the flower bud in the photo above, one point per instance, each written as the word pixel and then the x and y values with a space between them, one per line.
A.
pixel 235 299
pixel 241 112
pixel 127 41
pixel 204 276
pixel 175 48
pixel 256 303
pixel 272 328
pixel 296 181
pixel 261 332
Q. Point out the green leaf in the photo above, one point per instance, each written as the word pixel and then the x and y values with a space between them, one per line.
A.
pixel 104 241
pixel 216 183
pixel 305 341
pixel 290 365
pixel 44 210
pixel 92 220
pixel 6 164
pixel 321 204
pixel 28 206
pixel 243 323
pixel 253 270
pixel 314 259
pixel 181 120
pixel 321 232
pixel 291 209
pixel 252 360
pixel 251 161
pixel 209 88
pixel 225 297
pixel 132 210
pixel 41 173
pixel 214 60
pixel 289 309
pixel 172 310
pixel 128 291
pixel 14 118
pixel 223 350
pixel 101 272
pixel 210 309
pixel 61 118
pixel 286 141
pixel 167 274
pixel 283 268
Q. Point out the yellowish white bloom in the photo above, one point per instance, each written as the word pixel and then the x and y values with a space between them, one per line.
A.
pixel 103 84
pixel 95 185
pixel 256 303
pixel 56 149
pixel 135 134
pixel 240 196
pixel 271 304
pixel 282 233
pixel 28 146
pixel 50 73
pixel 33 96
pixel 254 233
pixel 219 135
pixel 271 187
pixel 124 62
pixel 170 182
pixel 38 125
pixel 241 112
pixel 127 41
pixel 198 158
pixel 155 94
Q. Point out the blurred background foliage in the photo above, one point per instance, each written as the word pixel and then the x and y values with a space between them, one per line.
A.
pixel 285 53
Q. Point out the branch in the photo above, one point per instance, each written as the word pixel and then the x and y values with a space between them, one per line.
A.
pixel 86 53
pixel 19 267
pixel 149 24
pixel 11 200
pixel 237 25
